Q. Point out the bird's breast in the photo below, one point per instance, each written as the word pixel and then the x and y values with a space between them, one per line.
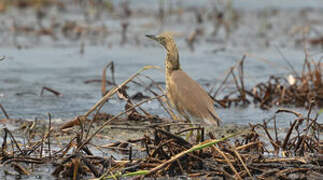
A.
pixel 169 85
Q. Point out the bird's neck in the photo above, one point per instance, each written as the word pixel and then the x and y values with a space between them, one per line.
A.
pixel 172 60
pixel 171 64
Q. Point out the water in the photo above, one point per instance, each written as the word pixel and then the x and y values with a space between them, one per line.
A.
pixel 25 72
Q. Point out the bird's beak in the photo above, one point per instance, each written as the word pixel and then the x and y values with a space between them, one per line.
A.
pixel 153 37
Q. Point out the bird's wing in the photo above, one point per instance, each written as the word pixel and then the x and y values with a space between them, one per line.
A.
pixel 189 94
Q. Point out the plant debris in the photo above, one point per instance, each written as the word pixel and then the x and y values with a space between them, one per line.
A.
pixel 161 150
pixel 297 89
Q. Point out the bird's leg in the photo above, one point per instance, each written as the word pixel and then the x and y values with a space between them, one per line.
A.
pixel 199 135
pixel 190 133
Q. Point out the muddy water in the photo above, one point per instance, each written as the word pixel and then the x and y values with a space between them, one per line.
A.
pixel 25 72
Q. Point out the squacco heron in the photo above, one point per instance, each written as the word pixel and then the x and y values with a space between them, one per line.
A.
pixel 185 94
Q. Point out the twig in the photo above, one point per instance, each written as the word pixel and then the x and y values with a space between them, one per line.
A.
pixel 291 170
pixel 287 62
pixel 243 93
pixel 289 111
pixel 14 140
pixel 236 82
pixel 4 112
pixel 274 144
pixel 178 139
pixel 275 128
pixel 49 130
pixel 287 159
pixel 42 143
pixel 246 145
pixel 4 144
pixel 194 148
pixel 174 158
pixel 112 92
pixel 104 78
pixel 167 108
pixel 76 169
pixel 288 134
pixel 177 160
pixel 224 81
pixel 56 93
pixel 228 162
pixel 20 169
pixel 241 160
pixel 112 119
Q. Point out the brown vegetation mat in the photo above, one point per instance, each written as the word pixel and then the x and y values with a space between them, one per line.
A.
pixel 256 153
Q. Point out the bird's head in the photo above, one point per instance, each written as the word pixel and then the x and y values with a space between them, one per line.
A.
pixel 165 39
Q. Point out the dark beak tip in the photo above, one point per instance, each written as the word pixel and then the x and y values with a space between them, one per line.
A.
pixel 150 36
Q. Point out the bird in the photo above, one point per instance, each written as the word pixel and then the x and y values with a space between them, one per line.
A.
pixel 186 95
